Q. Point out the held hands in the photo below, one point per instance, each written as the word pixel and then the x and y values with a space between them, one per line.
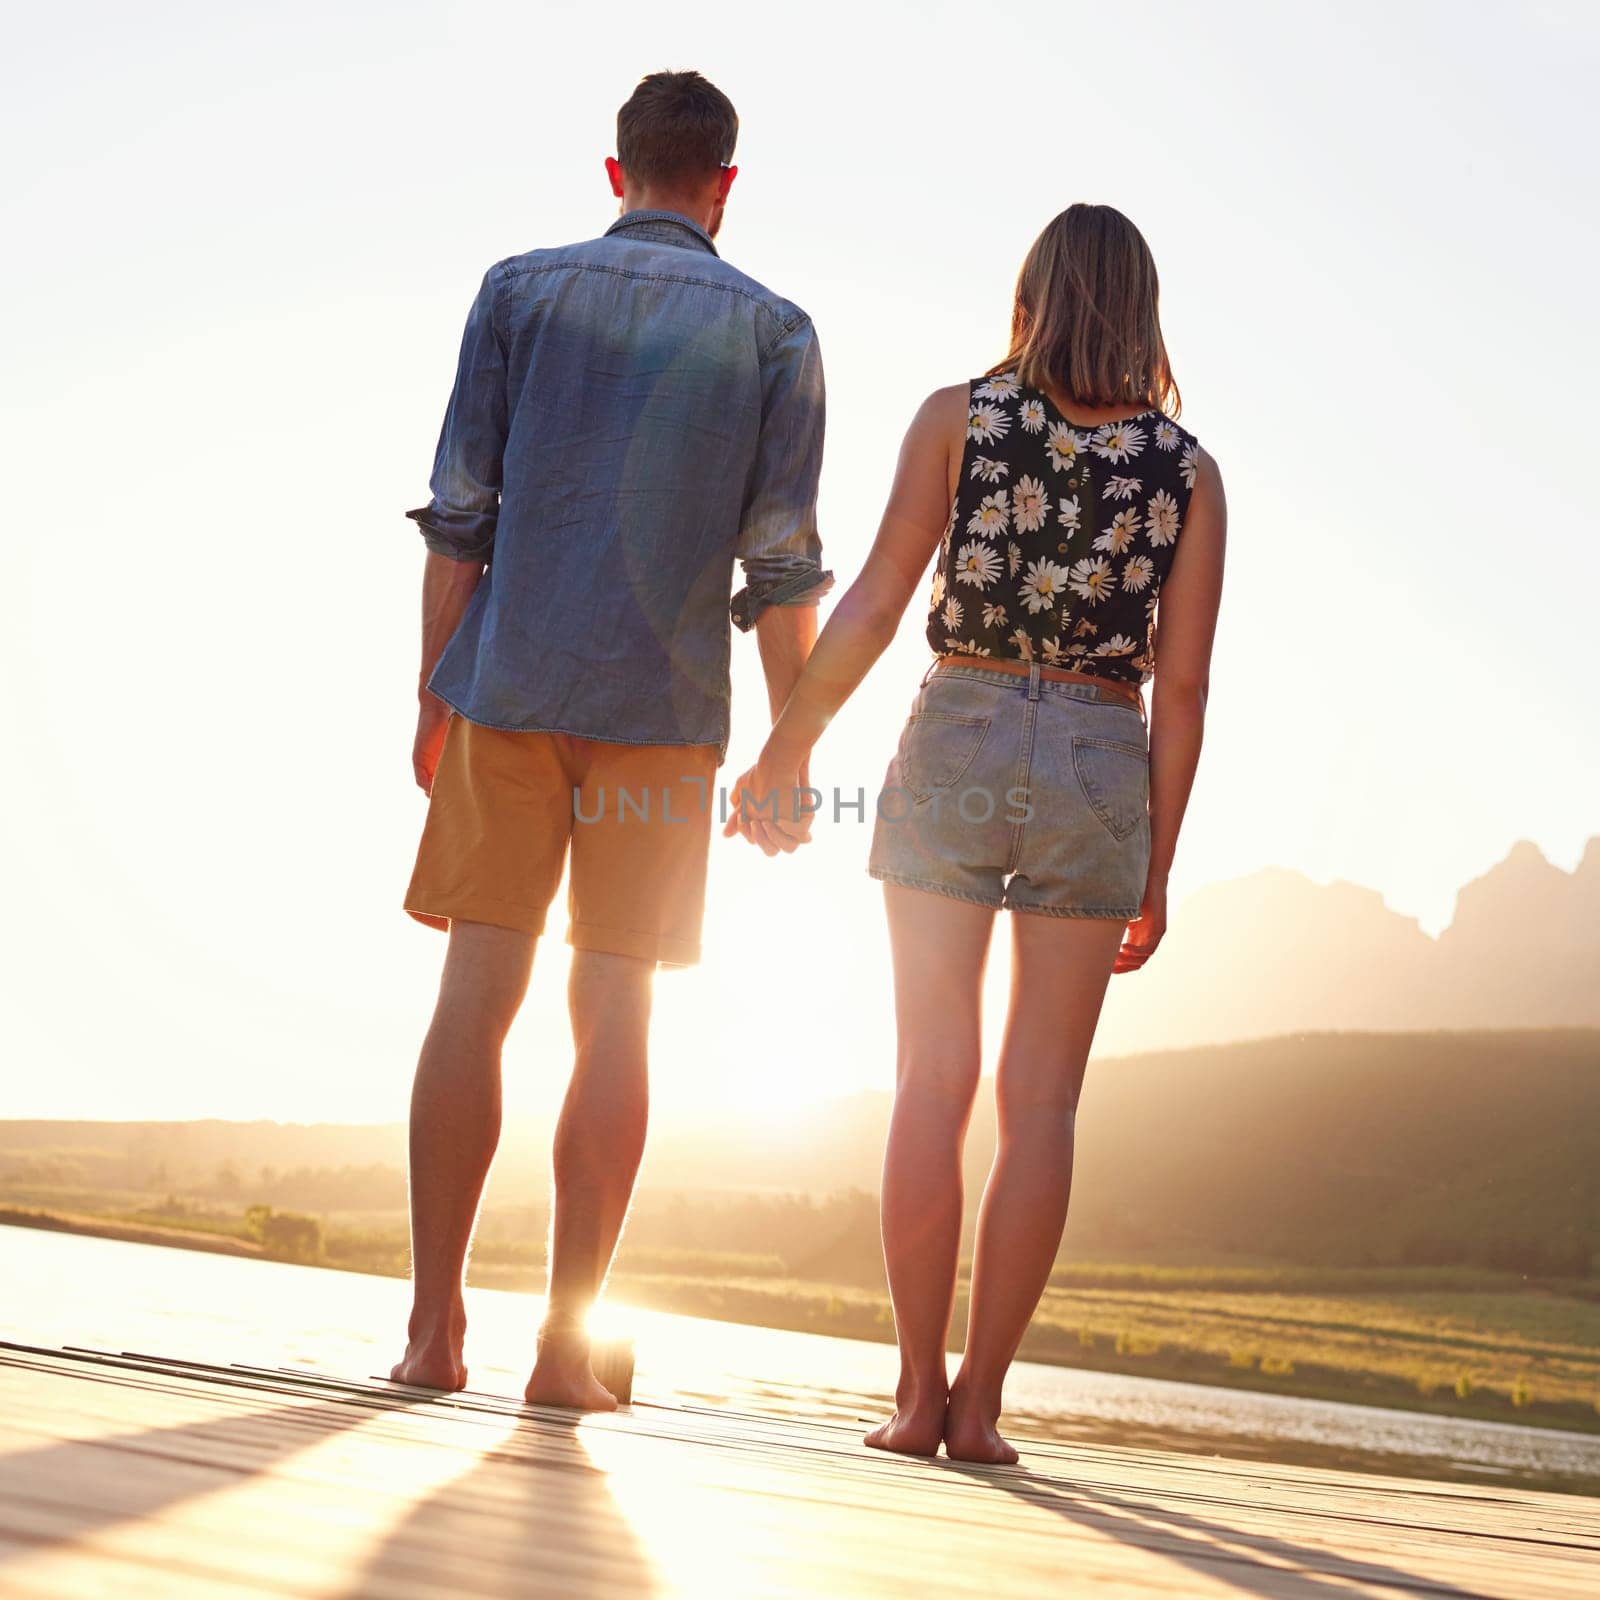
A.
pixel 773 803
pixel 1145 931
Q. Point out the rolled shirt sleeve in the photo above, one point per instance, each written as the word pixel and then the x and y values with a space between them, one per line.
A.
pixel 459 521
pixel 779 547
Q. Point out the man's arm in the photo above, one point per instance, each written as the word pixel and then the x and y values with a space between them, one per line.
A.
pixel 785 635
pixel 778 546
pixel 458 524
pixel 447 586
pixel 864 621
pixel 459 521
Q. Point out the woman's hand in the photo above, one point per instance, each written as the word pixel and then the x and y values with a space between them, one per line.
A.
pixel 1145 931
pixel 772 802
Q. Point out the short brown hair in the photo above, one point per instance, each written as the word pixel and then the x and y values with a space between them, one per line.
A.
pixel 676 127
pixel 1087 315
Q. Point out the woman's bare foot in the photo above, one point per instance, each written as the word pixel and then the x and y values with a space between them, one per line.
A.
pixel 562 1376
pixel 913 1430
pixel 970 1433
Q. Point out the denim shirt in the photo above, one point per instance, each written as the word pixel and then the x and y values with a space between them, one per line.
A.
pixel 630 415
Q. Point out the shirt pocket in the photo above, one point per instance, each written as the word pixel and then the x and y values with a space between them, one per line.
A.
pixel 936 750
pixel 1115 779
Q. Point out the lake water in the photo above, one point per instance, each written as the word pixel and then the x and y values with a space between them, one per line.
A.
pixel 65 1289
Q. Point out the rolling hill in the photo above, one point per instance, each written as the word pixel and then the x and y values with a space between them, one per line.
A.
pixel 1336 1148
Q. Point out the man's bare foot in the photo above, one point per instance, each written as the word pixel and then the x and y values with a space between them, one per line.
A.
pixel 562 1376
pixel 426 1368
pixel 433 1350
pixel 915 1429
pixel 970 1433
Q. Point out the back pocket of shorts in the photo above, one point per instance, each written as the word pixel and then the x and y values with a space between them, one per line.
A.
pixel 1115 778
pixel 936 749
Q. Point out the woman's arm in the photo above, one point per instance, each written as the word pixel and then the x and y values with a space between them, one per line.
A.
pixel 1186 623
pixel 862 624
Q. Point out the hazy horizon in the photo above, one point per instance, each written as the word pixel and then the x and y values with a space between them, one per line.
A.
pixel 1359 969
pixel 253 241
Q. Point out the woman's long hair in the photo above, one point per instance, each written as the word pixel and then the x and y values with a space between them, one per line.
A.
pixel 1087 321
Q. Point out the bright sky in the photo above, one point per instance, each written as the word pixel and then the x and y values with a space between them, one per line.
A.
pixel 244 240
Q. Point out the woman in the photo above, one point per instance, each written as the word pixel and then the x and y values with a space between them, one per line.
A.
pixel 1064 503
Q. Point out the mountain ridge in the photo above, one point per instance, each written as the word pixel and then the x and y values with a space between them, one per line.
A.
pixel 1274 952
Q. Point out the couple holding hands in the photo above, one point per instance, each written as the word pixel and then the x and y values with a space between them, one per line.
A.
pixel 631 417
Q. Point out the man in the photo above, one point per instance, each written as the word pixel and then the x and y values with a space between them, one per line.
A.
pixel 630 415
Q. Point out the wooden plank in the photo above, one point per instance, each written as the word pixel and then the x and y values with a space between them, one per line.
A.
pixel 130 1475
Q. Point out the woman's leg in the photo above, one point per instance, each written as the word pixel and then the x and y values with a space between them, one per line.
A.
pixel 1060 968
pixel 940 946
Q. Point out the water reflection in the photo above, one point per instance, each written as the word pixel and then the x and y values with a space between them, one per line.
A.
pixel 69 1290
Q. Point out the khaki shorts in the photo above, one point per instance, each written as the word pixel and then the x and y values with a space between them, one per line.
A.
pixel 506 807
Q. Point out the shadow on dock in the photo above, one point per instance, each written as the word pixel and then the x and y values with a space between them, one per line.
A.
pixel 182 1463
pixel 533 1516
pixel 1254 1563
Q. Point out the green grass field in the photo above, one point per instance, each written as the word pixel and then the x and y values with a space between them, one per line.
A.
pixel 1470 1342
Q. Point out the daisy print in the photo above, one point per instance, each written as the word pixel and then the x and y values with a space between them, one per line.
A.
pixel 1189 464
pixel 1031 415
pixel 1161 519
pixel 1043 584
pixel 986 423
pixel 994 616
pixel 1063 446
pixel 1021 643
pixel 1092 578
pixel 970 648
pixel 1121 488
pixel 1069 513
pixel 1085 626
pixel 1117 441
pixel 952 613
pixel 992 517
pixel 1013 557
pixel 1119 644
pixel 1054 650
pixel 987 470
pixel 937 598
pixel 976 564
pixel 1003 386
pixel 1166 436
pixel 1137 573
pixel 1029 504
pixel 1120 534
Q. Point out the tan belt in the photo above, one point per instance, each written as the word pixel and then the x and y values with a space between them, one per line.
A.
pixel 1020 669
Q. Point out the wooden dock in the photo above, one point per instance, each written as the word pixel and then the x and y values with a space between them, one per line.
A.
pixel 128 1475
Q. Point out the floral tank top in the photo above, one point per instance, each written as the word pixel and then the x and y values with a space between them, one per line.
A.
pixel 1060 536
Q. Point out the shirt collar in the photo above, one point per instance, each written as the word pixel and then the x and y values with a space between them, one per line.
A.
pixel 664 227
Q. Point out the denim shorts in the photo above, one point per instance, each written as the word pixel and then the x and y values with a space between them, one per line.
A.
pixel 1018 793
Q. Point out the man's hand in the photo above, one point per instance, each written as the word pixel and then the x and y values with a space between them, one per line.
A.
pixel 447 586
pixel 772 803
pixel 432 716
pixel 1145 931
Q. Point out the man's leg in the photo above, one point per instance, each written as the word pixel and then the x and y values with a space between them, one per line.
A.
pixel 599 1142
pixel 455 1126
